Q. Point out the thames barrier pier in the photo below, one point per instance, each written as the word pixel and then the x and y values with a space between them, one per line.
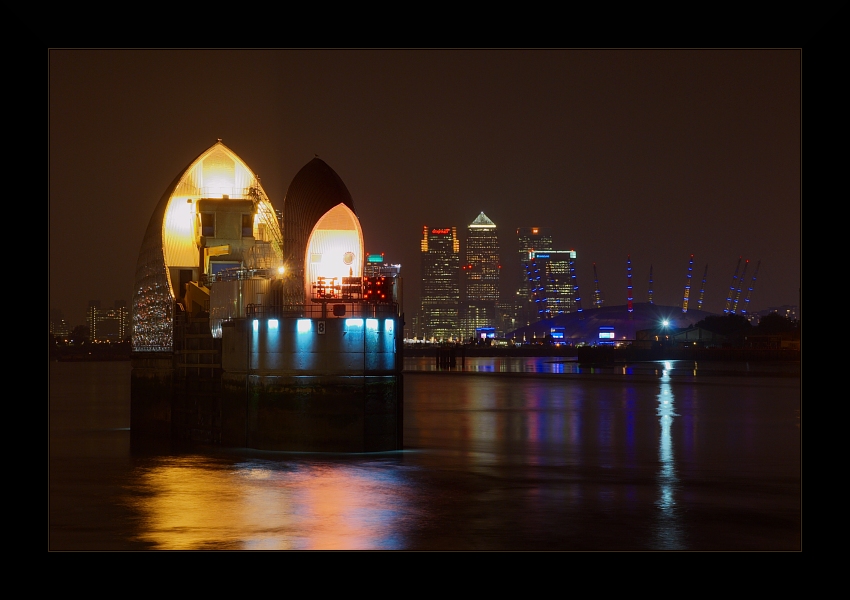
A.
pixel 257 329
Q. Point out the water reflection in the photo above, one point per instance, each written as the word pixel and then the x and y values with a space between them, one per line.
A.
pixel 491 462
pixel 508 364
pixel 570 365
pixel 202 503
pixel 668 528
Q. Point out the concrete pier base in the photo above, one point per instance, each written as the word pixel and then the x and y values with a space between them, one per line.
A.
pixel 312 414
pixel 296 385
pixel 151 394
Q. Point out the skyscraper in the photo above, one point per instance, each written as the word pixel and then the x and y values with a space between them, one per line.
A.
pixel 549 277
pixel 440 283
pixel 529 239
pixel 480 276
pixel 108 325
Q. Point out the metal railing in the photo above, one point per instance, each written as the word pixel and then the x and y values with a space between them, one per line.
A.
pixel 236 273
pixel 323 310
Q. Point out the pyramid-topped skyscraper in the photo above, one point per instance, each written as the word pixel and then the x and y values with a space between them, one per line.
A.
pixel 480 274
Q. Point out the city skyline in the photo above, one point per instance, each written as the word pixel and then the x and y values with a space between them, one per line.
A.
pixel 646 154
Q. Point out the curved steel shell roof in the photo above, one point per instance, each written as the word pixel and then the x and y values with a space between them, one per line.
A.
pixel 170 239
pixel 315 190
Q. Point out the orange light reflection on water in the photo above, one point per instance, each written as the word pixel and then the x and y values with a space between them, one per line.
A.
pixel 194 503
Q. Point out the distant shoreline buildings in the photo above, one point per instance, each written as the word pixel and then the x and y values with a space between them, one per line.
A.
pixel 233 225
pixel 460 299
pixel 108 324
pixel 102 325
pixel 461 302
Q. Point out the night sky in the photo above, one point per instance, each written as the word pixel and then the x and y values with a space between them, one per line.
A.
pixel 657 154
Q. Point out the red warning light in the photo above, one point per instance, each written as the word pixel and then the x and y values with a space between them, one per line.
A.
pixel 377 289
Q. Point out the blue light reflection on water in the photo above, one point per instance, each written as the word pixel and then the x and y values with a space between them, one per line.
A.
pixel 570 365
pixel 520 462
pixel 481 364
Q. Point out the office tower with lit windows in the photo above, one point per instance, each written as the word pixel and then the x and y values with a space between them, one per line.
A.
pixel 58 325
pixel 376 266
pixel 480 278
pixel 108 325
pixel 440 283
pixel 529 239
pixel 550 283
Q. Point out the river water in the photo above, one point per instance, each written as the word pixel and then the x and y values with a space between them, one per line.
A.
pixel 510 454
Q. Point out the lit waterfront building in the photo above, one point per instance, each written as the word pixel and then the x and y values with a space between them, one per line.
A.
pixel 440 283
pixel 376 266
pixel 506 316
pixel 550 283
pixel 788 311
pixel 58 325
pixel 107 325
pixel 529 239
pixel 481 276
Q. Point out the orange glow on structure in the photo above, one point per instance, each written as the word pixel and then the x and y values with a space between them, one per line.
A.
pixel 187 224
pixel 334 249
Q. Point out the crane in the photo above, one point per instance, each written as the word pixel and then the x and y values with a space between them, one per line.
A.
pixel 750 290
pixel 597 295
pixel 732 287
pixel 702 289
pixel 629 283
pixel 688 285
pixel 740 282
pixel 650 284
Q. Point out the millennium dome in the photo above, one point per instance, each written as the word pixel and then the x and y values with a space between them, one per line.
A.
pixel 615 323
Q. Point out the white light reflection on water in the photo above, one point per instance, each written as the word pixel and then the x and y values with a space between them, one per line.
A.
pixel 668 529
pixel 490 463
pixel 202 503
